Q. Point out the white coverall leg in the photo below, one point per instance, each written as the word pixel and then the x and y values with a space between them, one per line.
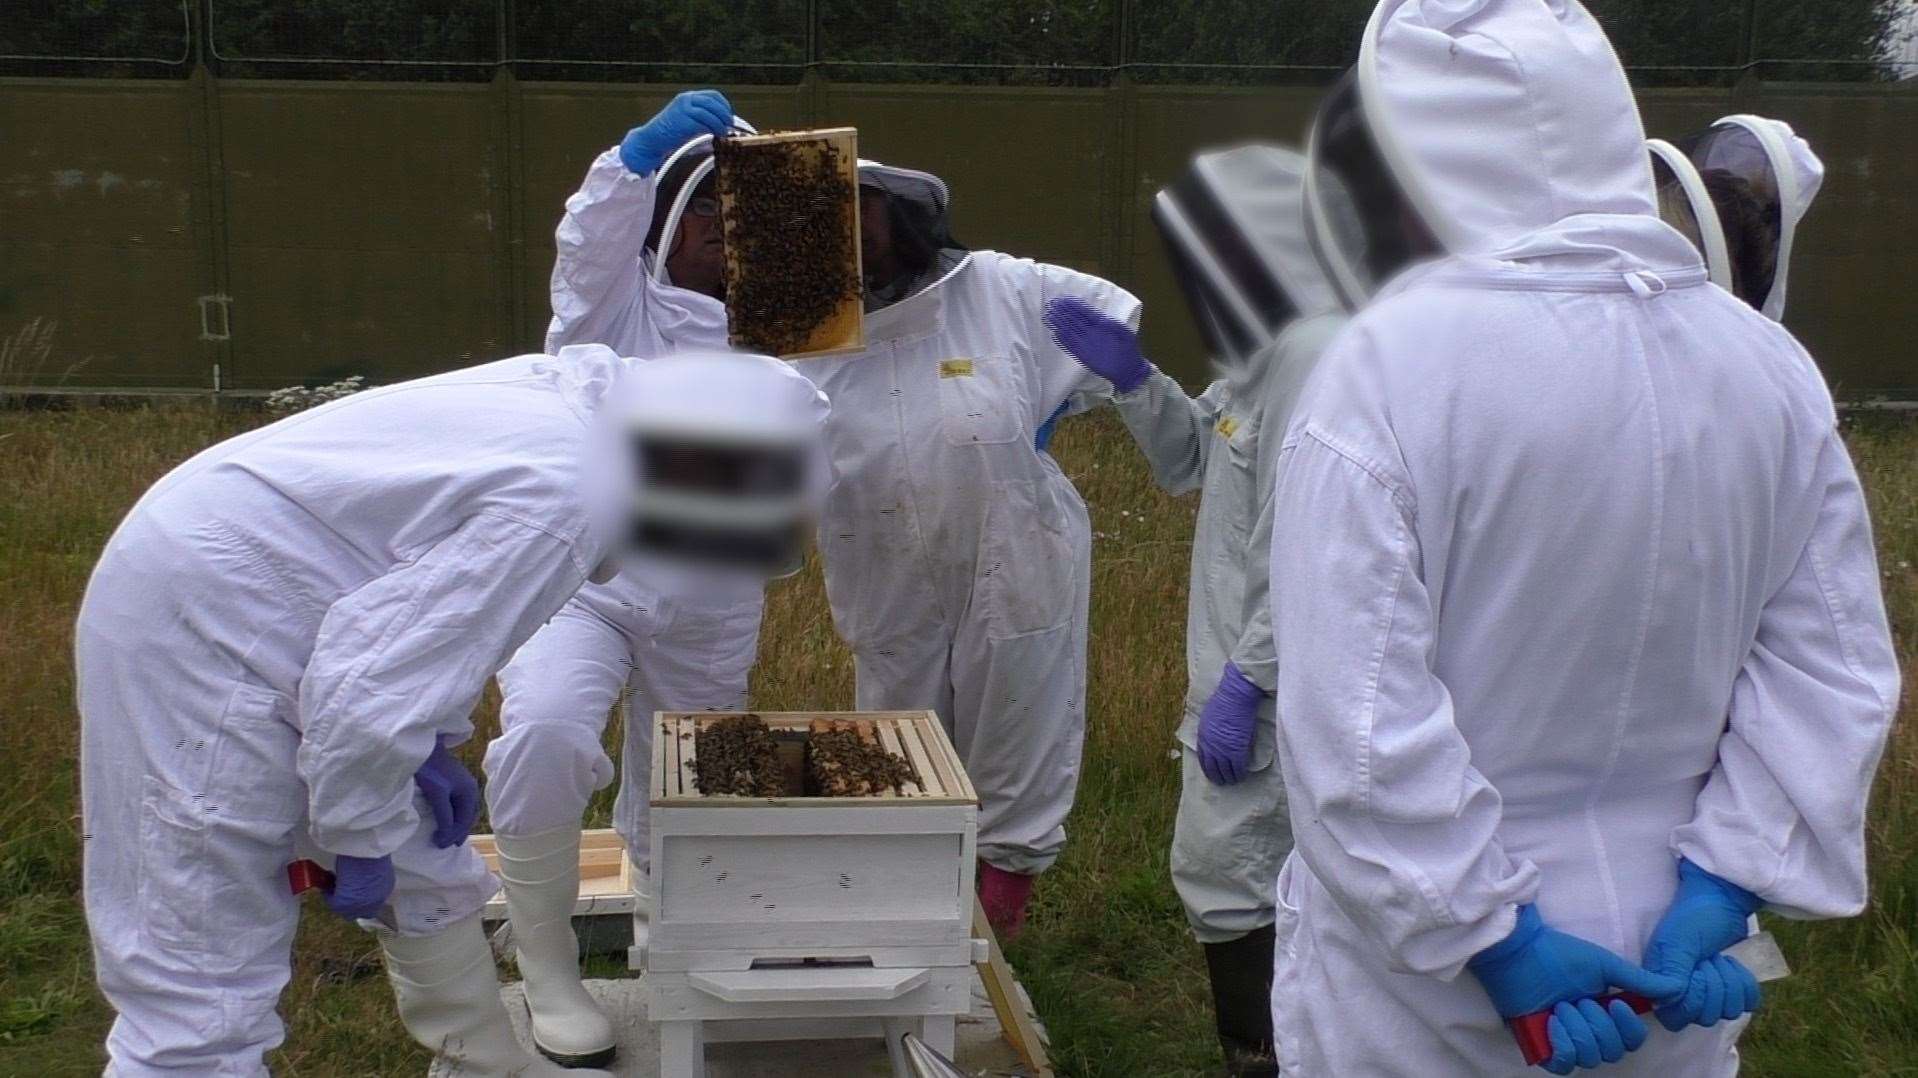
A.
pixel 668 651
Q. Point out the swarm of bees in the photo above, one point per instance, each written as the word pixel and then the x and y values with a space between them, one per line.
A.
pixel 844 759
pixel 738 756
pixel 790 216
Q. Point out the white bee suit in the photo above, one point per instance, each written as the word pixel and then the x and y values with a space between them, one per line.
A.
pixel 1594 585
pixel 273 640
pixel 1234 225
pixel 958 557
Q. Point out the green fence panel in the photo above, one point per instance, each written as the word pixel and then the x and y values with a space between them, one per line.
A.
pixel 361 222
pixel 102 199
pixel 1026 166
pixel 1855 262
pixel 392 229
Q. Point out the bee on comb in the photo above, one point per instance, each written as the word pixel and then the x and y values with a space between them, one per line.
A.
pixel 789 207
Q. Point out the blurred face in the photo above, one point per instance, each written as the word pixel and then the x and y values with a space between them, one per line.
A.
pixel 875 238
pixel 698 258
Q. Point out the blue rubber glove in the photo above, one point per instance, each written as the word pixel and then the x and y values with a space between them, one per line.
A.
pixel 453 794
pixel 686 117
pixel 1707 915
pixel 1538 969
pixel 1226 727
pixel 1105 346
pixel 1043 438
pixel 361 886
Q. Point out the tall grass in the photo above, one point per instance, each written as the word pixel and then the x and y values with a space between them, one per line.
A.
pixel 1106 957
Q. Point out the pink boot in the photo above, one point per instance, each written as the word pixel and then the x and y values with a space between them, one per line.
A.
pixel 1004 895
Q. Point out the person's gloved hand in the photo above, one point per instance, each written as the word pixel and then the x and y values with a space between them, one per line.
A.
pixel 1538 968
pixel 1707 915
pixel 686 117
pixel 452 792
pixel 1105 346
pixel 360 886
pixel 1227 725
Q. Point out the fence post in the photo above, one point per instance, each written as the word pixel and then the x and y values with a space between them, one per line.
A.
pixel 205 136
pixel 1122 165
pixel 508 194
pixel 812 88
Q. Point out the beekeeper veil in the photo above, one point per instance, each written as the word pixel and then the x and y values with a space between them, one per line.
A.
pixel 1439 142
pixel 680 176
pixel 918 212
pixel 1234 231
pixel 1739 189
pixel 711 462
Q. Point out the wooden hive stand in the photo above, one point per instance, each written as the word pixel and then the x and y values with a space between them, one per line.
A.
pixel 796 917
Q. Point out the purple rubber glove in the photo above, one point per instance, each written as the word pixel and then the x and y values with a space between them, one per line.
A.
pixel 685 118
pixel 452 792
pixel 1226 727
pixel 361 886
pixel 1707 915
pixel 1105 346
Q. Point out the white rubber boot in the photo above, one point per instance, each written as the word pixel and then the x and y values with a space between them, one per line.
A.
pixel 448 993
pixel 540 876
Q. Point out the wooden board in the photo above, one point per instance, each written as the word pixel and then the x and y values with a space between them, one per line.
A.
pixel 604 870
pixel 915 735
pixel 747 254
pixel 1002 988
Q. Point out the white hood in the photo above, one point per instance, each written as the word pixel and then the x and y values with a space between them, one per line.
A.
pixel 1511 128
pixel 720 399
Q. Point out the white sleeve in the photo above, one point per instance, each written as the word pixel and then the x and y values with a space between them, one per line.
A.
pixel 1783 811
pixel 600 267
pixel 404 658
pixel 1387 810
pixel 1256 653
pixel 1170 428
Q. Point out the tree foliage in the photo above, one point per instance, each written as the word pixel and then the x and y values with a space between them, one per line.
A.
pixel 1046 38
pixel 1045 41
pixel 108 29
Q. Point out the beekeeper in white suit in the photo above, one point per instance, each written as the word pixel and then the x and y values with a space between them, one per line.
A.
pixel 1591 661
pixel 957 553
pixel 1234 233
pixel 640 267
pixel 279 643
pixel 1738 190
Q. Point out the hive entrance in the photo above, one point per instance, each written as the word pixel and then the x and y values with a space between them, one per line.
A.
pixel 789 208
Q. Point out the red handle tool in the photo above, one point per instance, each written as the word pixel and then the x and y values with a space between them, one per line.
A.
pixel 304 875
pixel 1535 1039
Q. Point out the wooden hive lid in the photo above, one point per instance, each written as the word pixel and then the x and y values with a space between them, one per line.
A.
pixel 915 735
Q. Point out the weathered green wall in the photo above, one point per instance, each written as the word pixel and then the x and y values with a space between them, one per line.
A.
pixel 392 229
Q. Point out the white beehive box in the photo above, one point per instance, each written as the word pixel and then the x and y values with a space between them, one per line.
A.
pixel 756 883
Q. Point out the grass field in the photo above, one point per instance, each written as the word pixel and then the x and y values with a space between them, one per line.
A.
pixel 1106 956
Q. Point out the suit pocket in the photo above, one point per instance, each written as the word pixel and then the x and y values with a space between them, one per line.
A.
pixel 213 860
pixel 1027 564
pixel 979 401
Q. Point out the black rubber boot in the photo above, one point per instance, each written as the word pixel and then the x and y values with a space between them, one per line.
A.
pixel 1241 973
